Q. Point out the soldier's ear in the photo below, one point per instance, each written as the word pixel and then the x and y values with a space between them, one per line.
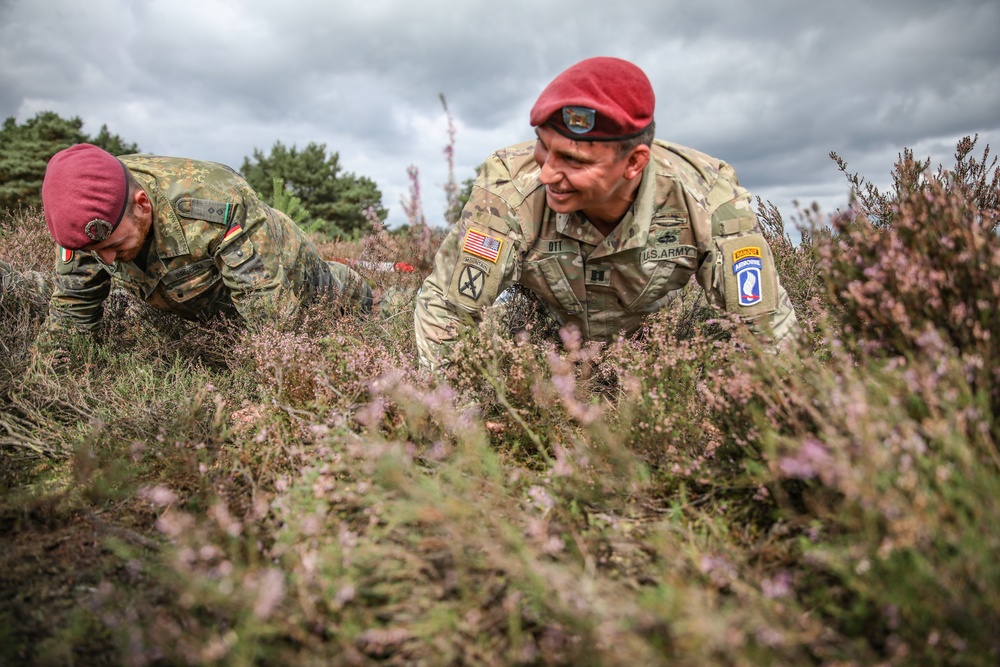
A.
pixel 140 202
pixel 637 161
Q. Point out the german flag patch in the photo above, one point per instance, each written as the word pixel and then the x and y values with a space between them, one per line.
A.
pixel 234 229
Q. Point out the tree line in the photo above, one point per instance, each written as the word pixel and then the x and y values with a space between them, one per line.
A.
pixel 327 199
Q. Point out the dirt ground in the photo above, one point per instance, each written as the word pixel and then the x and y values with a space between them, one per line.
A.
pixel 57 559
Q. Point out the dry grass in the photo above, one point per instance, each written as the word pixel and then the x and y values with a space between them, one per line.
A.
pixel 185 495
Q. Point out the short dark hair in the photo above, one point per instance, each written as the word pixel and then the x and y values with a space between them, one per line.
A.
pixel 646 137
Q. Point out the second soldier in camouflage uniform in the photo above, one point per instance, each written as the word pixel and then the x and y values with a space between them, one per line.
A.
pixel 190 238
pixel 600 235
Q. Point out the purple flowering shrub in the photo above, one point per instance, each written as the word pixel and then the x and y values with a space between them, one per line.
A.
pixel 302 493
pixel 879 446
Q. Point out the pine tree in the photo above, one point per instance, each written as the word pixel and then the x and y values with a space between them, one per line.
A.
pixel 25 151
pixel 335 200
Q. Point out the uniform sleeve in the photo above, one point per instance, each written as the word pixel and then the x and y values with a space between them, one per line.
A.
pixel 82 285
pixel 436 323
pixel 756 295
pixel 252 270
pixel 478 259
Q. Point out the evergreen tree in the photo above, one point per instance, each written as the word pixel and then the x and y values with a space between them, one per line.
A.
pixel 25 151
pixel 283 200
pixel 335 200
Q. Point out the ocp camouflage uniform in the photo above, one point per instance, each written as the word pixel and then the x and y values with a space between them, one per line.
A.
pixel 690 218
pixel 214 248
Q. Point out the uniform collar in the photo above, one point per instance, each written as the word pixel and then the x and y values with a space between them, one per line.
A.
pixel 631 232
pixel 168 238
pixel 168 235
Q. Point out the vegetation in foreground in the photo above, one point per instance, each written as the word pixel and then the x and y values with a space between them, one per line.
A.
pixel 180 494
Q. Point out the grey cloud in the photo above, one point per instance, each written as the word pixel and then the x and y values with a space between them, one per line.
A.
pixel 770 86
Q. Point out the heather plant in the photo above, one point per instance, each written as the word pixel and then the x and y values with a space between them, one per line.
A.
pixel 301 493
pixel 929 283
pixel 799 264
pixel 28 246
pixel 882 456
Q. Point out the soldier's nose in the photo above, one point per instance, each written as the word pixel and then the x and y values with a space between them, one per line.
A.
pixel 548 175
pixel 106 256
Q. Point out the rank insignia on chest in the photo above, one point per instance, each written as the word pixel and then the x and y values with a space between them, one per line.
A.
pixel 482 245
pixel 598 275
pixel 65 255
pixel 747 265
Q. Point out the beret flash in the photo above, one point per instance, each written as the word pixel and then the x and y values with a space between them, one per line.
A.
pixel 84 195
pixel 597 99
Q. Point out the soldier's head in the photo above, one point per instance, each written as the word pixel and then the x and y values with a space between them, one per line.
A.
pixel 92 202
pixel 595 127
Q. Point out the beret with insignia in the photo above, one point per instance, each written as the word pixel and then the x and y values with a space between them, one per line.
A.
pixel 84 195
pixel 597 99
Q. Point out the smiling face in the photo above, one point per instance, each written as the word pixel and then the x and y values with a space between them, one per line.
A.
pixel 588 176
pixel 129 236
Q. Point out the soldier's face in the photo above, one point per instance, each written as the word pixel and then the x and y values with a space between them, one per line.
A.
pixel 586 176
pixel 129 236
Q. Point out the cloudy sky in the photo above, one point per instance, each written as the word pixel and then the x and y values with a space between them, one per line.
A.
pixel 771 86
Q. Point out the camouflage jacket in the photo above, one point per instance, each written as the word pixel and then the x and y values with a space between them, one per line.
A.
pixel 214 247
pixel 690 218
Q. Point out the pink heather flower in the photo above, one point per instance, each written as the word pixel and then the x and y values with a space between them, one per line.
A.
pixel 271 590
pixel 553 545
pixel 779 586
pixel 173 524
pixel 345 594
pixel 158 495
pixel 718 569
pixel 225 520
pixel 807 463
pixel 541 497
pixel 571 337
pixel 562 466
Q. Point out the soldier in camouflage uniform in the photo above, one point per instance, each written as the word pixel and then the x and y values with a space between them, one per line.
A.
pixel 602 222
pixel 187 237
pixel 34 284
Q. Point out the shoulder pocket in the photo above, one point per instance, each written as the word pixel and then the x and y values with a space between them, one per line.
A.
pixel 749 280
pixel 479 270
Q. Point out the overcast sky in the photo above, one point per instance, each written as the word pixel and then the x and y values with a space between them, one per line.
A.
pixel 771 86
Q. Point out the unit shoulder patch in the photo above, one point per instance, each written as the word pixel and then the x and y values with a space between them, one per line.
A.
pixel 747 265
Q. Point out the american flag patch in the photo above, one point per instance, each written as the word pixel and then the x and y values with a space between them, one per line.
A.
pixel 481 245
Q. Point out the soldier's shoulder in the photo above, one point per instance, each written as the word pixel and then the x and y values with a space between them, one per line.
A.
pixel 180 166
pixel 696 170
pixel 511 169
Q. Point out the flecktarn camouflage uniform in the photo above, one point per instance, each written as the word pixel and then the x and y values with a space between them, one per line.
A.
pixel 34 284
pixel 214 247
pixel 690 218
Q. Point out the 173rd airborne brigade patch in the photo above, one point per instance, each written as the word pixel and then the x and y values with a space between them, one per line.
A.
pixel 472 279
pixel 747 265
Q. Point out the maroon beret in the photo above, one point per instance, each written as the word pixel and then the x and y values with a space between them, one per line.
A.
pixel 84 194
pixel 597 99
